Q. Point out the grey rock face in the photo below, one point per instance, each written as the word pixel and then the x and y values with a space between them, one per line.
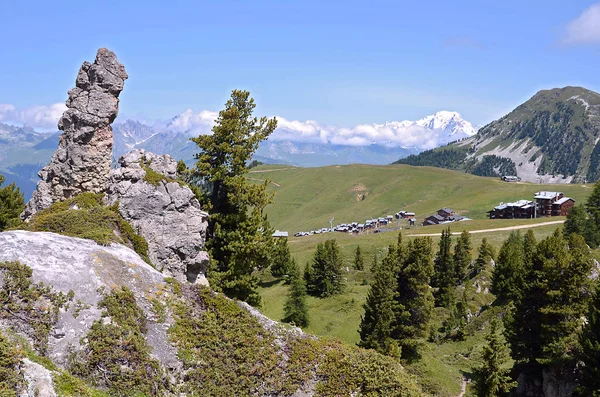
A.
pixel 38 380
pixel 167 215
pixel 82 160
pixel 84 267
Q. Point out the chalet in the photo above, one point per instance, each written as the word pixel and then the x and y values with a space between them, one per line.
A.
pixel 562 206
pixel 434 220
pixel 279 233
pixel 545 201
pixel 518 209
pixel 409 215
pixel 412 221
pixel 445 213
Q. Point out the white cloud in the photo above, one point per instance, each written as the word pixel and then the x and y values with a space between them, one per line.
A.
pixel 393 134
pixel 585 29
pixel 42 116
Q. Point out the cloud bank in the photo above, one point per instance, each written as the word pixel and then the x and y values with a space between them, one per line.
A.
pixel 585 29
pixel 42 116
pixel 421 134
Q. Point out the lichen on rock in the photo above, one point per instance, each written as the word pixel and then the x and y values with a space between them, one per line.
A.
pixel 163 211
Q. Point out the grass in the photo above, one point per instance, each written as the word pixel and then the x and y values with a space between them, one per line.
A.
pixel 306 198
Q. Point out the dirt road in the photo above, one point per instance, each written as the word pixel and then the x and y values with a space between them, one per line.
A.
pixel 500 229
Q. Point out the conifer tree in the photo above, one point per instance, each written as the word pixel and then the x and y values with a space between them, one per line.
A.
pixel 376 323
pixel 414 301
pixel 444 272
pixel 578 222
pixel 462 257
pixel 11 205
pixel 359 262
pixel 239 235
pixel 281 258
pixel 589 352
pixel 491 378
pixel 324 277
pixel 486 254
pixel 507 277
pixel 295 309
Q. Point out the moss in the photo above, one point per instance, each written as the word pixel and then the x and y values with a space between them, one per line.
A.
pixel 159 309
pixel 154 178
pixel 33 306
pixel 10 378
pixel 85 216
pixel 115 353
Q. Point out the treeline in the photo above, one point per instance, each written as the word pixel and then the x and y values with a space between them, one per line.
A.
pixel 447 157
pixel 493 165
pixel 546 298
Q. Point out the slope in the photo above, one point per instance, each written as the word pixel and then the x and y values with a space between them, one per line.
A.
pixel 551 138
pixel 306 198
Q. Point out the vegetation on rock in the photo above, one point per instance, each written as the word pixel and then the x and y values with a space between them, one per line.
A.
pixel 11 205
pixel 10 378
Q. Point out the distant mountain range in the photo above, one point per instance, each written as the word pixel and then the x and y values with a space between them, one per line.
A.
pixel 23 151
pixel 552 138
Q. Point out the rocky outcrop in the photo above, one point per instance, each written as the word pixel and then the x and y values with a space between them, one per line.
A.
pixel 82 161
pixel 162 210
pixel 38 380
pixel 86 268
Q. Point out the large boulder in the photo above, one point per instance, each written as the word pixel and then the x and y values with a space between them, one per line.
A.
pixel 163 211
pixel 84 155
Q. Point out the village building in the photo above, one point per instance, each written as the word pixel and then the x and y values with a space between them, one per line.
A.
pixel 511 178
pixel 562 206
pixel 445 213
pixel 521 209
pixel 434 220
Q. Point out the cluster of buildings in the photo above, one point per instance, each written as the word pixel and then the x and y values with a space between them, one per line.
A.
pixel 443 215
pixel 543 204
pixel 369 224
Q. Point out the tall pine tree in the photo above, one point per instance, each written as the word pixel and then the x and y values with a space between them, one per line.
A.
pixel 295 309
pixel 281 258
pixel 324 276
pixel 239 236
pixel 485 255
pixel 444 273
pixel 359 261
pixel 414 300
pixel 492 377
pixel 11 205
pixel 589 353
pixel 462 257
pixel 510 269
pixel 376 323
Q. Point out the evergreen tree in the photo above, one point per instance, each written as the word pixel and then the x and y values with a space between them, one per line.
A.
pixel 281 258
pixel 359 262
pixel 462 257
pixel 295 309
pixel 507 277
pixel 486 254
pixel 376 323
pixel 414 301
pixel 239 236
pixel 589 353
pixel 11 205
pixel 444 272
pixel 578 222
pixel 324 277
pixel 491 379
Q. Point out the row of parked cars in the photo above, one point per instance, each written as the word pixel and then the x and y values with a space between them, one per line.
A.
pixel 356 227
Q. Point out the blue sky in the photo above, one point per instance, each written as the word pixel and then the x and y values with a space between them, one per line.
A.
pixel 339 63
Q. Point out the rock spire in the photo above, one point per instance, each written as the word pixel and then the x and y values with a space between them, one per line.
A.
pixel 82 161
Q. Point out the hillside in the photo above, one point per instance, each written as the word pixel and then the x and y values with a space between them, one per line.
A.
pixel 550 138
pixel 306 198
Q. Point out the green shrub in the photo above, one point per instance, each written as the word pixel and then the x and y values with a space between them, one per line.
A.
pixel 115 352
pixel 10 378
pixel 86 216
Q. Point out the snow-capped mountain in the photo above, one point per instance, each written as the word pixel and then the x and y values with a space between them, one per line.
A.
pixel 451 123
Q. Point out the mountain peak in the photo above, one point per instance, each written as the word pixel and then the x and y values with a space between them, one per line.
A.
pixel 451 123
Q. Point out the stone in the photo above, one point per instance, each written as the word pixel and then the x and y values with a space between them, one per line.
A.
pixel 38 380
pixel 84 155
pixel 168 215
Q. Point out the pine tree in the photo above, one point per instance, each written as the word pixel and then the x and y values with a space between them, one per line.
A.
pixel 376 323
pixel 239 235
pixel 462 257
pixel 295 309
pixel 414 301
pixel 11 205
pixel 507 277
pixel 281 258
pixel 492 379
pixel 486 254
pixel 589 352
pixel 359 262
pixel 324 277
pixel 578 222
pixel 444 272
